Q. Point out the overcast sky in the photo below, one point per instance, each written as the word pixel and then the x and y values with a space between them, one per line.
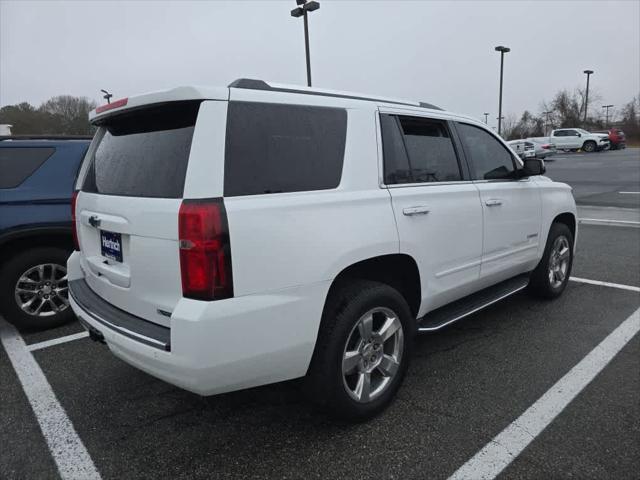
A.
pixel 438 52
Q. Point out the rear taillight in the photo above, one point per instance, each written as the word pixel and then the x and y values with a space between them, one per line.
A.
pixel 205 250
pixel 74 223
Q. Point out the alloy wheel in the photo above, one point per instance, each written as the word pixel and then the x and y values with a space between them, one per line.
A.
pixel 559 261
pixel 372 354
pixel 43 290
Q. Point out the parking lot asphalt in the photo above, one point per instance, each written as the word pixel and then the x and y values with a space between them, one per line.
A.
pixel 598 178
pixel 465 385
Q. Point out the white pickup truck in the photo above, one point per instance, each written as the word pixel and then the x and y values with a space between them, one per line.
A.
pixel 577 138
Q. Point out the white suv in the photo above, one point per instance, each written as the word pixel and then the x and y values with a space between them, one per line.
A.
pixel 234 237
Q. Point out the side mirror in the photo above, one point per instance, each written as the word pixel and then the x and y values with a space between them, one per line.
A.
pixel 579 134
pixel 532 167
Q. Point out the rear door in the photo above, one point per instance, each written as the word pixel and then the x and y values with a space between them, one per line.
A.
pixel 127 209
pixel 436 206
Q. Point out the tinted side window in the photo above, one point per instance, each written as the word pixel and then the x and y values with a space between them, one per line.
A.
pixel 490 159
pixel 144 153
pixel 17 164
pixel 430 150
pixel 560 133
pixel 275 148
pixel 396 163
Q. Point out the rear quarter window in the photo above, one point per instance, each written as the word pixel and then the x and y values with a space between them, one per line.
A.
pixel 19 163
pixel 276 148
pixel 144 153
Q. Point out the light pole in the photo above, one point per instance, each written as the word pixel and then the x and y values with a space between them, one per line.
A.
pixel 301 11
pixel 502 51
pixel 546 121
pixel 607 107
pixel 586 96
pixel 486 115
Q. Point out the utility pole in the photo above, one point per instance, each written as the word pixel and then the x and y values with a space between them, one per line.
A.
pixel 502 51
pixel 303 8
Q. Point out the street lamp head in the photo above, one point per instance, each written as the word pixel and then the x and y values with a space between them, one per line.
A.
pixel 311 6
pixel 297 12
pixel 502 49
pixel 300 2
pixel 588 72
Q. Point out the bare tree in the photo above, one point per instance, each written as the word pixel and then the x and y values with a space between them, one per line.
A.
pixel 63 115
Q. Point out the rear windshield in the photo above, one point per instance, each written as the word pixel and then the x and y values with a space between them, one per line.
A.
pixel 144 153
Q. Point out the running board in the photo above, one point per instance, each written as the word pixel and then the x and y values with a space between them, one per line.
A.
pixel 455 311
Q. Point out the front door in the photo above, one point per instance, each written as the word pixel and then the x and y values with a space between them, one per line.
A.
pixel 436 206
pixel 511 206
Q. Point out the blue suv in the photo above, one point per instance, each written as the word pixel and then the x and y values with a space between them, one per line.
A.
pixel 36 186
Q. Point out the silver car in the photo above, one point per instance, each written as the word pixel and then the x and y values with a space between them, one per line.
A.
pixel 543 148
pixel 524 148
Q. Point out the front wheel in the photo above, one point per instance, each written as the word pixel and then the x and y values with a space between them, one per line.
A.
pixel 589 146
pixel 551 276
pixel 363 350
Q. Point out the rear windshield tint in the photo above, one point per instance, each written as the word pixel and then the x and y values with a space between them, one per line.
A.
pixel 18 163
pixel 144 153
pixel 276 148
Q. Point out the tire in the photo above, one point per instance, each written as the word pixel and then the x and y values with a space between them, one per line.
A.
pixel 341 332
pixel 589 146
pixel 25 265
pixel 551 276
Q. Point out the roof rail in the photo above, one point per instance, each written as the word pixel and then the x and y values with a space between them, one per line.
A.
pixel 46 137
pixel 253 84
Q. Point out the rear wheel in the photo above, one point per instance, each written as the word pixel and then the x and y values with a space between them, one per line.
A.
pixel 363 350
pixel 551 276
pixel 589 146
pixel 34 292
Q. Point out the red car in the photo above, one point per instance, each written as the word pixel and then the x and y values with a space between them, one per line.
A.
pixel 616 138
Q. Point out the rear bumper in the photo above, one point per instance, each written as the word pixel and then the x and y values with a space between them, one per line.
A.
pixel 215 347
pixel 108 316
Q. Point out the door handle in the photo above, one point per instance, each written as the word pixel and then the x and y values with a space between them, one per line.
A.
pixel 421 210
pixel 493 202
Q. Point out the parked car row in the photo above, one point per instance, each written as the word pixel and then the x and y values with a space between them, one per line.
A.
pixel 568 139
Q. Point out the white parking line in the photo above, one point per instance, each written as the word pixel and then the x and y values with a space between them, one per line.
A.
pixel 605 284
pixel 57 341
pixel 68 451
pixel 630 193
pixel 508 444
